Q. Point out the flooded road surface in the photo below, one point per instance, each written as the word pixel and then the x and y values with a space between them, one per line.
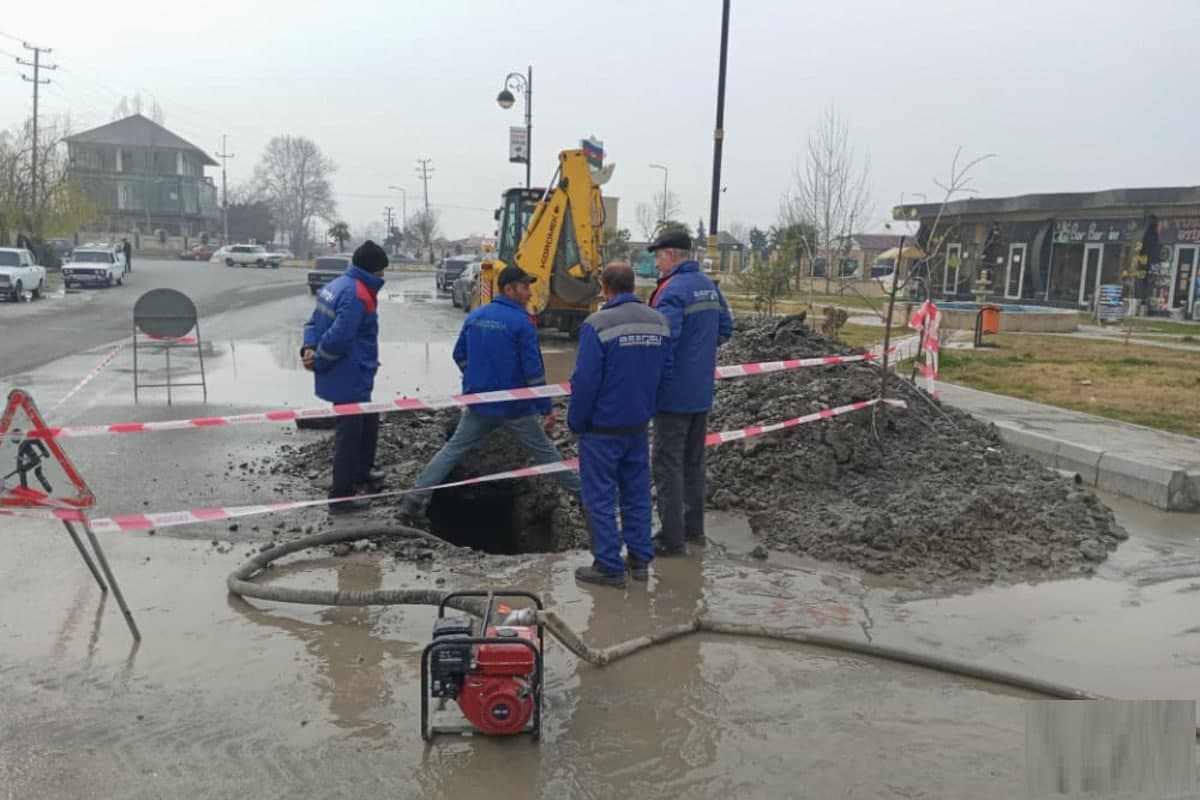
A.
pixel 226 697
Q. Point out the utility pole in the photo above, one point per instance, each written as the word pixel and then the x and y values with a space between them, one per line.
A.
pixel 37 81
pixel 423 172
pixel 224 187
pixel 387 213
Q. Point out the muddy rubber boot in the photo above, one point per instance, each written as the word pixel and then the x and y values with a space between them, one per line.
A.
pixel 638 570
pixel 664 550
pixel 696 541
pixel 593 573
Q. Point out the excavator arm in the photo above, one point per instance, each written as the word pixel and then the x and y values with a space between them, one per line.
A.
pixel 564 243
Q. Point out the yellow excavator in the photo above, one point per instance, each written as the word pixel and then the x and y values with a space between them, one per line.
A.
pixel 556 235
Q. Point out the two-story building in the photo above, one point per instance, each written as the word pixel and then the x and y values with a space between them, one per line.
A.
pixel 144 179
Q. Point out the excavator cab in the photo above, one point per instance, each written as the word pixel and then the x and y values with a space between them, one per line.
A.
pixel 557 235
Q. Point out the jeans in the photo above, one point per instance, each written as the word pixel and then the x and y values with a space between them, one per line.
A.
pixel 612 466
pixel 354 441
pixel 474 428
pixel 679 475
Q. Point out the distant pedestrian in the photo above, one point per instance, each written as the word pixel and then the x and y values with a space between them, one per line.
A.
pixel 341 345
pixel 127 249
pixel 498 349
pixel 700 322
pixel 623 363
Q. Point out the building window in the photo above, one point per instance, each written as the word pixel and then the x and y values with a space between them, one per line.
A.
pixel 951 268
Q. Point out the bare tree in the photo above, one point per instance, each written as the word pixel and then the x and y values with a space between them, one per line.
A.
pixel 293 177
pixel 831 190
pixel 647 220
pixel 62 206
pixel 670 210
pixel 427 228
pixel 738 231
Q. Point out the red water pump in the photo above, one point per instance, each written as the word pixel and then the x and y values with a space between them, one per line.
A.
pixel 494 672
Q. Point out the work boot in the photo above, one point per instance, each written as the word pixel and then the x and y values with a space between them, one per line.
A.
pixel 348 505
pixel 665 550
pixel 414 510
pixel 696 541
pixel 594 573
pixel 638 570
pixel 375 476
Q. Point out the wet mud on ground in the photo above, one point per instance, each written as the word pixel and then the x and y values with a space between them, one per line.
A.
pixel 226 697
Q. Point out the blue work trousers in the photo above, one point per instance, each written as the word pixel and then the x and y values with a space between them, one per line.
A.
pixel 615 471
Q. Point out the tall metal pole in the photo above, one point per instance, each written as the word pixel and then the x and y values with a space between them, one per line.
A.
pixel 528 126
pixel 404 206
pixel 37 81
pixel 719 132
pixel 224 189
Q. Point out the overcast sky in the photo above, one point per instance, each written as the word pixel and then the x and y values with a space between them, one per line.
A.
pixel 1069 94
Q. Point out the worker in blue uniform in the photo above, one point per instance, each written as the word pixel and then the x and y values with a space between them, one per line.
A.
pixel 498 349
pixel 624 360
pixel 700 322
pixel 341 346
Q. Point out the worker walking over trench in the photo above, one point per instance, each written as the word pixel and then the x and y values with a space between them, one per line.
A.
pixel 498 349
pixel 624 359
pixel 700 322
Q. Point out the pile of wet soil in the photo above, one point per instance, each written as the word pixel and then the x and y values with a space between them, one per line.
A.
pixel 924 493
pixel 927 492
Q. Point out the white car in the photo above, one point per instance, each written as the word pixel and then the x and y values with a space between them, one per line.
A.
pixel 20 273
pixel 251 255
pixel 98 264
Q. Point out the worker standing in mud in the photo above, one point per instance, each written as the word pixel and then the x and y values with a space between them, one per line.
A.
pixel 498 349
pixel 623 362
pixel 700 322
pixel 341 346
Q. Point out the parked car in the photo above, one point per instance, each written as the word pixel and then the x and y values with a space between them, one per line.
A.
pixel 20 273
pixel 449 270
pixel 98 264
pixel 251 255
pixel 286 255
pixel 325 269
pixel 60 249
pixel 201 252
pixel 463 290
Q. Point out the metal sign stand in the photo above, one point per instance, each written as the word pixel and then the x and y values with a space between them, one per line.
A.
pixel 22 495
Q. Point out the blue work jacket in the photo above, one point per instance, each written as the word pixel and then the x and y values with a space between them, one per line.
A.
pixel 344 332
pixel 498 349
pixel 700 322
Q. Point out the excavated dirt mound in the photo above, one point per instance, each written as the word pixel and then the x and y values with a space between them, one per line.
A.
pixel 925 493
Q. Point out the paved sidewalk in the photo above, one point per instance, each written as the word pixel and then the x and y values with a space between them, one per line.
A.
pixel 1155 467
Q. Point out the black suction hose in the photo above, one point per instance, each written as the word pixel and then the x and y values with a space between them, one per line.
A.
pixel 241 583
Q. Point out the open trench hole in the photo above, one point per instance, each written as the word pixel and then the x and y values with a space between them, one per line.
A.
pixel 504 518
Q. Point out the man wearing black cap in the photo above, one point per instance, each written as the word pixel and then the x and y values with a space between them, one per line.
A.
pixel 341 346
pixel 700 322
pixel 498 349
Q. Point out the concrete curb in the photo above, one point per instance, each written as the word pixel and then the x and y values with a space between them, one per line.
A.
pixel 1164 487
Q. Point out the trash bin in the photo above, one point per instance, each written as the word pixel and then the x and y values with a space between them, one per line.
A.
pixel 990 322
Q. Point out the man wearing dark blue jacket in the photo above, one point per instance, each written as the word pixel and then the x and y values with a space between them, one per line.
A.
pixel 498 349
pixel 700 322
pixel 624 359
pixel 341 346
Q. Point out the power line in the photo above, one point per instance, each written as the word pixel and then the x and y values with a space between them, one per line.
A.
pixel 37 82
pixel 423 173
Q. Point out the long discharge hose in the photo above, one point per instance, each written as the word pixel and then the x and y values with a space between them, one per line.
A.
pixel 241 582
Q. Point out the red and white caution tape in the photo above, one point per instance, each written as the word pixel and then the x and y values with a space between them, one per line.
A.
pixel 96 370
pixel 927 319
pixel 405 403
pixel 167 519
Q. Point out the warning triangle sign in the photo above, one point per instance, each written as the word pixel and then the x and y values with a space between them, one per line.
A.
pixel 34 470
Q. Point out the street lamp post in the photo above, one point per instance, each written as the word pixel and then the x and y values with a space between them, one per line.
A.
pixel 666 174
pixel 516 82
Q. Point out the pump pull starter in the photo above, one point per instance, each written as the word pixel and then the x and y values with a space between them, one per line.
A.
pixel 495 673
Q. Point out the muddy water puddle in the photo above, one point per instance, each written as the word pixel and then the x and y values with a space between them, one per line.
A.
pixel 222 694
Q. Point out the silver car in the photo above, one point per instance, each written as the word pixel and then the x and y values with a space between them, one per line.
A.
pixel 463 289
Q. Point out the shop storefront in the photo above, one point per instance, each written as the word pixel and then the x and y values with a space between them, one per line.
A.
pixel 1172 280
pixel 1087 254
